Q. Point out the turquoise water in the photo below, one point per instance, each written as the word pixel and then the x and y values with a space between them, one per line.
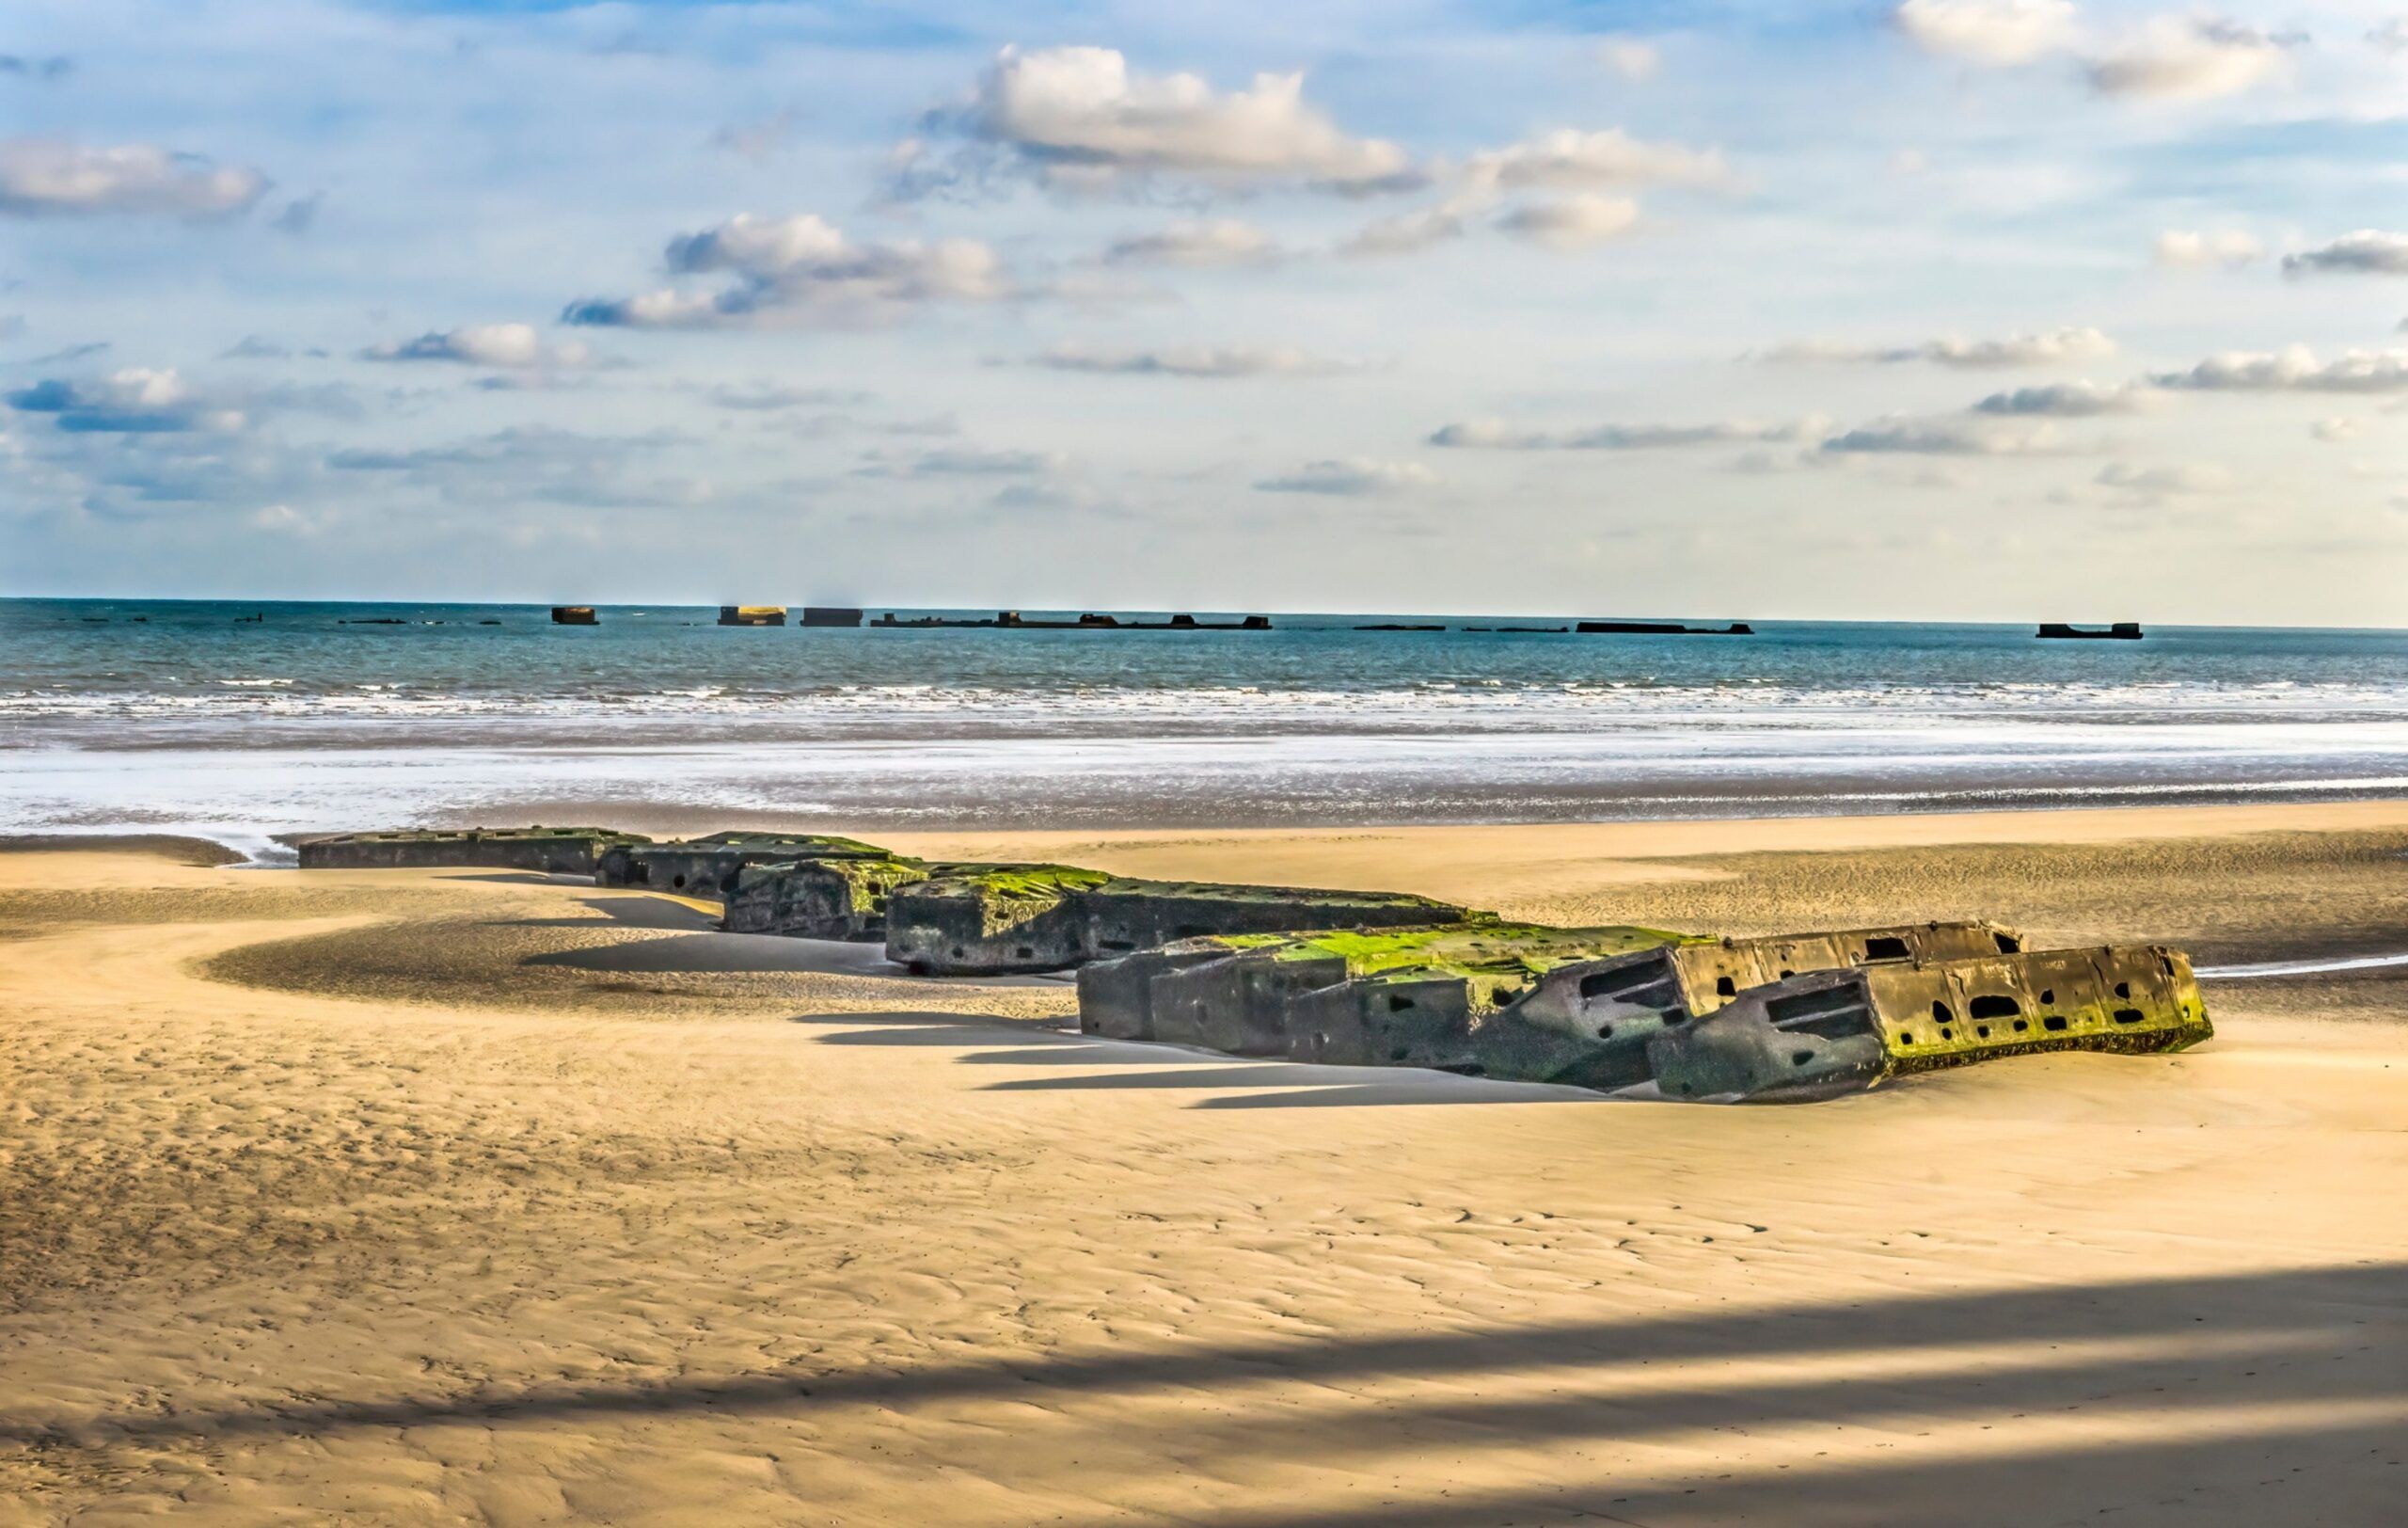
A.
pixel 117 714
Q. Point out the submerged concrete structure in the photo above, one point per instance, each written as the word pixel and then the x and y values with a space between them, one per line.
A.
pixel 1051 917
pixel 752 616
pixel 1827 1032
pixel 574 615
pixel 1587 1023
pixel 2120 631
pixel 551 851
pixel 707 867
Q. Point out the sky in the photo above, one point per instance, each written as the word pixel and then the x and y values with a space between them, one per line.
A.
pixel 1969 310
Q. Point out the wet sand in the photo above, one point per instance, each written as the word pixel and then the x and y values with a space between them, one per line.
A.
pixel 471 1197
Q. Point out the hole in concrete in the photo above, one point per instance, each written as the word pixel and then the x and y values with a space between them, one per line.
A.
pixel 2020 1025
pixel 1398 1004
pixel 1991 1006
pixel 1023 953
pixel 2009 945
pixel 2128 1015
pixel 1686 1089
pixel 1981 1031
pixel 1605 1031
pixel 1398 1054
pixel 1906 1037
pixel 1947 1033
pixel 2123 989
pixel 678 881
pixel 1786 973
pixel 2048 994
pixel 1942 1012
pixel 2053 1022
pixel 1725 987
pixel 1885 949
pixel 1801 1058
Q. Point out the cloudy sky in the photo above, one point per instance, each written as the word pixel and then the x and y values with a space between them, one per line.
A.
pixel 1954 309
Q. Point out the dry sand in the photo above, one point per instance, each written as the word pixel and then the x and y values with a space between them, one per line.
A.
pixel 433 1198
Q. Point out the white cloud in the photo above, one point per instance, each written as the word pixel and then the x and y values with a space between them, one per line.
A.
pixel 1568 159
pixel 2183 249
pixel 2336 430
pixel 38 175
pixel 2294 370
pixel 2048 348
pixel 961 461
pixel 1999 33
pixel 1635 59
pixel 1495 434
pixel 1351 477
pixel 799 269
pixel 1407 231
pixel 2164 481
pixel 1195 360
pixel 2066 400
pixel 1946 436
pixel 2390 36
pixel 2367 251
pixel 2188 59
pixel 1082 115
pixel 1577 222
pixel 508 346
pixel 1222 241
pixel 138 400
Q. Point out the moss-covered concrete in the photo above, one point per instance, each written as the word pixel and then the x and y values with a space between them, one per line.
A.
pixel 551 850
pixel 1052 916
pixel 820 898
pixel 707 867
pixel 1819 1033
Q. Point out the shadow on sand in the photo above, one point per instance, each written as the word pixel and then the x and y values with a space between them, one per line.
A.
pixel 2248 1359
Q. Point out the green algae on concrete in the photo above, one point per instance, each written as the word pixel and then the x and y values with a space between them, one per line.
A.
pixel 1051 916
pixel 551 850
pixel 1587 1023
pixel 1284 996
pixel 820 898
pixel 991 919
pixel 707 867
pixel 1825 1032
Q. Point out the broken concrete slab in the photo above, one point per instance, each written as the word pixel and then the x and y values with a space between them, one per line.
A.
pixel 706 866
pixel 821 899
pixel 551 850
pixel 1826 1033
pixel 1002 920
pixel 1299 996
pixel 988 920
pixel 1587 1023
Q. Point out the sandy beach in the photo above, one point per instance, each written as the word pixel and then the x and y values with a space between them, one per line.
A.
pixel 479 1198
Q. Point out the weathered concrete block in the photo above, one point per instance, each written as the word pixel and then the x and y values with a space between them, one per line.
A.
pixel 820 898
pixel 992 920
pixel 706 867
pixel 1299 995
pixel 1115 996
pixel 1127 914
pixel 551 851
pixel 1587 1023
pixel 1049 917
pixel 1824 1032
pixel 1239 1003
pixel 1412 1016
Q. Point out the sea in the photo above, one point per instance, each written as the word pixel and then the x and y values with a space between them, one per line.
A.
pixel 249 722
